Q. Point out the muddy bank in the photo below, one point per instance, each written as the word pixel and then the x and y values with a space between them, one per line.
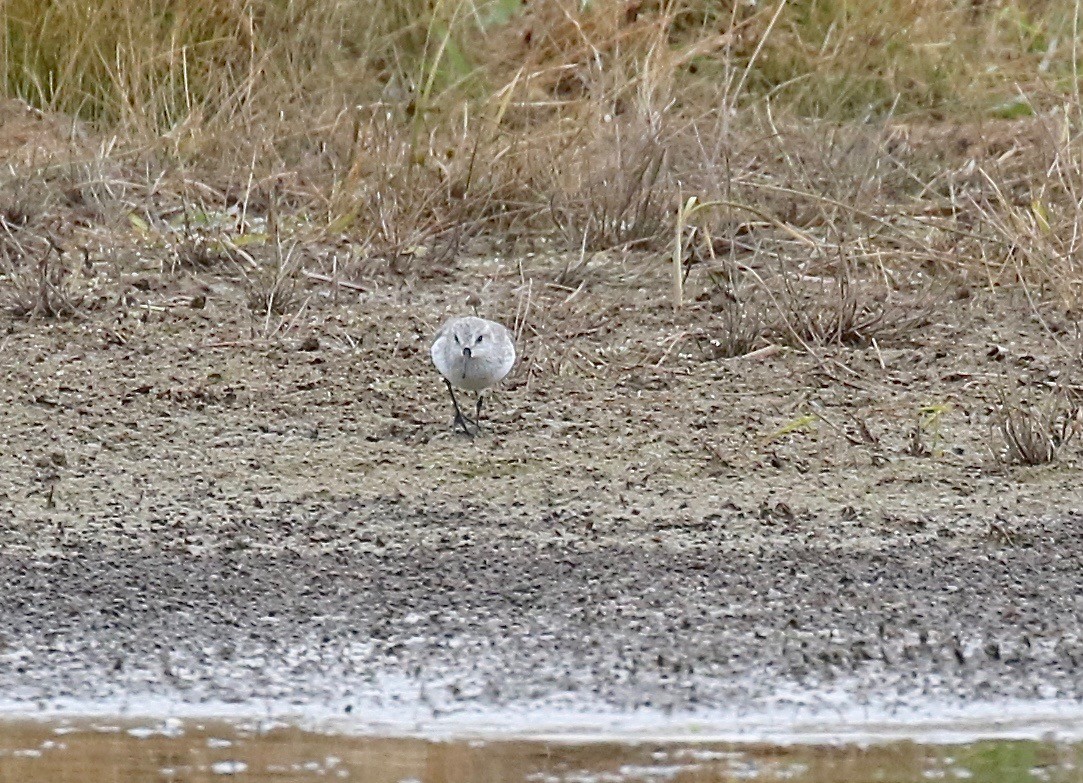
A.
pixel 485 606
pixel 198 510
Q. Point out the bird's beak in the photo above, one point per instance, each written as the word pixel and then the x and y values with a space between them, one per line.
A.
pixel 466 352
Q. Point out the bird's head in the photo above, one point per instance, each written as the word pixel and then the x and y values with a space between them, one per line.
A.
pixel 473 338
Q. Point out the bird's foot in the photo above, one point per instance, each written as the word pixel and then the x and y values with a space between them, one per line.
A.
pixel 463 421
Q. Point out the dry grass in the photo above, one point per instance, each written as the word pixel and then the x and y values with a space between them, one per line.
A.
pixel 740 316
pixel 815 130
pixel 200 247
pixel 1033 434
pixel 39 278
pixel 618 195
pixel 272 281
pixel 737 330
pixel 845 309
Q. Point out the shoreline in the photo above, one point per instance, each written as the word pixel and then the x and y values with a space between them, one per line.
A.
pixel 930 723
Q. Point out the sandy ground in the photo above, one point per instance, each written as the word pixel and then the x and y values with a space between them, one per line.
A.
pixel 200 505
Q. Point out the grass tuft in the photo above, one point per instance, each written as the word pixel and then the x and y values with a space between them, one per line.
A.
pixel 619 196
pixel 273 284
pixel 846 309
pixel 36 279
pixel 1035 434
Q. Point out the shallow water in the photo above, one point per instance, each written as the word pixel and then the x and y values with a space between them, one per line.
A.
pixel 66 751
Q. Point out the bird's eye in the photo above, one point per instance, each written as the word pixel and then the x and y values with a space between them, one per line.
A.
pixel 480 338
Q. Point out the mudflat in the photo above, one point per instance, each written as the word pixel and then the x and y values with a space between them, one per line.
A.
pixel 205 504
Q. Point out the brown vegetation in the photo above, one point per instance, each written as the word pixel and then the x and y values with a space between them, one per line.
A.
pixel 811 174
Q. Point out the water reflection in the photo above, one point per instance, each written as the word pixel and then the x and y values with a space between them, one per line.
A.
pixel 206 752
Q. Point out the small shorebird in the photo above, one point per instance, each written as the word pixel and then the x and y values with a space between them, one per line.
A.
pixel 472 353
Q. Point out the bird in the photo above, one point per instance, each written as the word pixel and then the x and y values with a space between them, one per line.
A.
pixel 474 354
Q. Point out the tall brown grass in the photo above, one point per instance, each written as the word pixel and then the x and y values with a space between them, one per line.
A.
pixel 420 123
pixel 152 65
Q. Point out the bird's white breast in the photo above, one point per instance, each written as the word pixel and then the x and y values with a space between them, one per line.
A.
pixel 483 369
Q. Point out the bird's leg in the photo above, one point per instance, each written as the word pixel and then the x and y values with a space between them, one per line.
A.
pixel 459 418
pixel 477 411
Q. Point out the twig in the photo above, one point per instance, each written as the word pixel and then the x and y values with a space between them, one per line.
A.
pixel 760 353
pixel 327 279
pixel 879 356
